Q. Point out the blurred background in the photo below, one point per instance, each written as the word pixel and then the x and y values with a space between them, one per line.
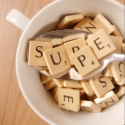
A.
pixel 14 110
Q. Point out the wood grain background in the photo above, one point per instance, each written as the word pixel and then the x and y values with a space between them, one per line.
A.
pixel 14 110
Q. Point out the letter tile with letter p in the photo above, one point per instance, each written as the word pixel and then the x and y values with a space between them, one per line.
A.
pixel 101 44
pixel 69 99
pixel 57 60
pixel 84 60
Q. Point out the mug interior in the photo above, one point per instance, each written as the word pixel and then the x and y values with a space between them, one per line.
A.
pixel 29 79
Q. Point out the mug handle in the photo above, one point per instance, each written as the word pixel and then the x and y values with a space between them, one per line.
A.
pixel 18 19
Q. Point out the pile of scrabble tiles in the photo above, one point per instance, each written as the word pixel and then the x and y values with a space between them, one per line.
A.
pixel 55 57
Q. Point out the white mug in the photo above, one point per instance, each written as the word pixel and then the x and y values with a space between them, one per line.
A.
pixel 33 91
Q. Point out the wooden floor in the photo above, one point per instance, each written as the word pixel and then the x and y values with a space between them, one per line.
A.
pixel 14 110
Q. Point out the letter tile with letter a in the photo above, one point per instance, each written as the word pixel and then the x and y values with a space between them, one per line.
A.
pixel 69 99
pixel 101 44
pixel 74 46
pixel 36 49
pixel 89 106
pixel 101 85
pixel 87 25
pixel 84 60
pixel 70 20
pixel 107 100
pixel 57 60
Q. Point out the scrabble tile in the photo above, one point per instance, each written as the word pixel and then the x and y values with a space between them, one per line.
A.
pixel 42 39
pixel 118 71
pixel 121 91
pixel 84 60
pixel 54 91
pixel 116 32
pixel 103 23
pixel 36 49
pixel 82 92
pixel 72 84
pixel 107 100
pixel 50 85
pixel 58 82
pixel 57 60
pixel 45 79
pixel 89 36
pixel 101 85
pixel 27 54
pixel 107 72
pixel 56 96
pixel 92 96
pixel 89 106
pixel 46 72
pixel 122 82
pixel 74 46
pixel 123 48
pixel 101 44
pixel 74 37
pixel 87 87
pixel 56 42
pixel 69 99
pixel 87 25
pixel 40 67
pixel 67 21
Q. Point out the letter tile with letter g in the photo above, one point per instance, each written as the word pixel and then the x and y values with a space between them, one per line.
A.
pixel 101 44
pixel 69 99
pixel 57 60
pixel 84 60
pixel 107 100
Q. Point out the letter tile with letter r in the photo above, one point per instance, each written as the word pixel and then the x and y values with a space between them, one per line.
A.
pixel 69 99
pixel 89 106
pixel 107 100
pixel 36 49
pixel 101 44
pixel 87 25
pixel 74 46
pixel 101 85
pixel 84 60
pixel 57 60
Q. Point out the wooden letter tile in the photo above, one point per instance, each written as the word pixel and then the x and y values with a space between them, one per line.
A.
pixel 72 84
pixel 122 82
pixel 107 100
pixel 56 96
pixel 121 91
pixel 70 20
pixel 57 60
pixel 56 42
pixel 36 49
pixel 107 72
pixel 103 23
pixel 87 25
pixel 58 82
pixel 101 85
pixel 116 32
pixel 123 48
pixel 92 97
pixel 74 37
pixel 90 106
pixel 84 60
pixel 87 87
pixel 74 46
pixel 50 85
pixel 54 91
pixel 45 79
pixel 101 44
pixel 69 99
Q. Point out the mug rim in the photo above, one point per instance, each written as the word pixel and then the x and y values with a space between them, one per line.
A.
pixel 20 41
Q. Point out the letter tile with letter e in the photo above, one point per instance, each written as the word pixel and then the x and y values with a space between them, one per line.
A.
pixel 107 100
pixel 69 99
pixel 36 49
pixel 84 60
pixel 57 60
pixel 103 23
pixel 121 91
pixel 87 87
pixel 70 20
pixel 74 46
pixel 89 106
pixel 101 44
pixel 87 25
pixel 101 85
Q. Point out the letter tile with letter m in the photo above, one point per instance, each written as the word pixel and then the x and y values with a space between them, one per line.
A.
pixel 101 44
pixel 69 99
pixel 57 60
pixel 85 60
pixel 107 100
